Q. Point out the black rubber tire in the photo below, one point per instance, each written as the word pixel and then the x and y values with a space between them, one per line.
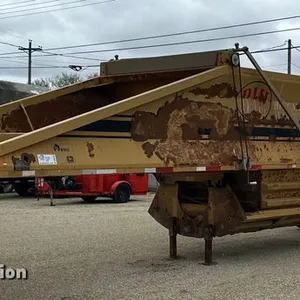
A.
pixel 24 189
pixel 8 188
pixel 89 199
pixel 122 193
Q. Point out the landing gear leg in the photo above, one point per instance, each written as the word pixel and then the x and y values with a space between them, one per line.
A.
pixel 208 246
pixel 51 196
pixel 173 238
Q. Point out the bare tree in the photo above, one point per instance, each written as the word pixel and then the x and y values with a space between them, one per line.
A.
pixel 62 80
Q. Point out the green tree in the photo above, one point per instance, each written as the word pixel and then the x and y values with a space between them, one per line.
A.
pixel 62 80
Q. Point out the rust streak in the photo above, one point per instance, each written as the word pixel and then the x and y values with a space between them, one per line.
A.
pixel 90 148
pixel 221 90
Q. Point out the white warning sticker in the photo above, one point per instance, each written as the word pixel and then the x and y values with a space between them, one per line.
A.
pixel 47 159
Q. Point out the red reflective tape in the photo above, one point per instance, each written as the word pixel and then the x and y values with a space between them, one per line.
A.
pixel 255 167
pixel 164 170
pixel 213 168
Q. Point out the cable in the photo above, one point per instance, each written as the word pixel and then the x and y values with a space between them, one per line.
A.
pixel 177 43
pixel 71 56
pixel 9 44
pixel 58 9
pixel 187 42
pixel 27 5
pixel 272 50
pixel 17 3
pixel 52 54
pixel 295 65
pixel 274 47
pixel 37 8
pixel 23 62
pixel 174 34
pixel 47 67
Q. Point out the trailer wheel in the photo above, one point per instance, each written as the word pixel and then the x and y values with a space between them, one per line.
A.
pixel 89 199
pixel 24 189
pixel 122 193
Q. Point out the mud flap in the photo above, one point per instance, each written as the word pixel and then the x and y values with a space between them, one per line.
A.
pixel 225 210
pixel 223 214
pixel 165 207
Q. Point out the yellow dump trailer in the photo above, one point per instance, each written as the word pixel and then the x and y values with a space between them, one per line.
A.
pixel 223 141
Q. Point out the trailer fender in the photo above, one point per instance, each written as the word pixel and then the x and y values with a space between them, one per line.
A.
pixel 117 183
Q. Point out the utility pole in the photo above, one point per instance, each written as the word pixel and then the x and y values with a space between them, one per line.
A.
pixel 289 56
pixel 30 50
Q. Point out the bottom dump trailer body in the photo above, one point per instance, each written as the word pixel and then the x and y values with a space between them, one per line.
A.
pixel 222 140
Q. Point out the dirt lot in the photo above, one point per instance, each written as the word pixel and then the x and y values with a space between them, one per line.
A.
pixel 117 251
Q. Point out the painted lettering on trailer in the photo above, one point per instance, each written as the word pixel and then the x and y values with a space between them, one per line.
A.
pixel 255 99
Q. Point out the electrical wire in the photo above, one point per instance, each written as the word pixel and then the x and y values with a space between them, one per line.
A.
pixel 175 34
pixel 71 56
pixel 58 9
pixel 26 5
pixel 187 42
pixel 46 67
pixel 37 8
pixel 20 2
pixel 175 44
pixel 295 65
pixel 9 44
pixel 23 62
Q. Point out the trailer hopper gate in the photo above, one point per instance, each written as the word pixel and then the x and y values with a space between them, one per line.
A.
pixel 222 140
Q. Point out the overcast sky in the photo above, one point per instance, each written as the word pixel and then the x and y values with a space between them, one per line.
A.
pixel 122 19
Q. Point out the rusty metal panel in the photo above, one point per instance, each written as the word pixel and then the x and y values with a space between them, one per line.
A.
pixel 160 94
pixel 280 189
pixel 48 108
pixel 191 61
pixel 225 211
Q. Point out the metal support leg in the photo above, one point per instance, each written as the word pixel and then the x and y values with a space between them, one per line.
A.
pixel 208 247
pixel 173 238
pixel 51 196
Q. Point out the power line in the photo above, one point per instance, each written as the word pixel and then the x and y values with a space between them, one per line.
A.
pixel 182 42
pixel 17 3
pixel 71 56
pixel 23 62
pixel 273 50
pixel 58 9
pixel 9 44
pixel 176 33
pixel 54 54
pixel 46 67
pixel 172 34
pixel 37 8
pixel 167 44
pixel 26 5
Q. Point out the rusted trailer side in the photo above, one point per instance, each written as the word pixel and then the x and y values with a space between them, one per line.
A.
pixel 220 143
pixel 119 80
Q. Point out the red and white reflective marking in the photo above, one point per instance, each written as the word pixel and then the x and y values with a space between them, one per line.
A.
pixel 149 170
pixel 99 171
pixel 166 170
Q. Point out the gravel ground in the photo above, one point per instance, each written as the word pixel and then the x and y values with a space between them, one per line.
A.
pixel 117 251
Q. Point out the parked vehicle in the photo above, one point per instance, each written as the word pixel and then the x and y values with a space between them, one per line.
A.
pixel 119 187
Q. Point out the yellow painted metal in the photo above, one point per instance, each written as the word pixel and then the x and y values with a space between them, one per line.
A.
pixel 122 106
pixel 211 88
pixel 164 120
